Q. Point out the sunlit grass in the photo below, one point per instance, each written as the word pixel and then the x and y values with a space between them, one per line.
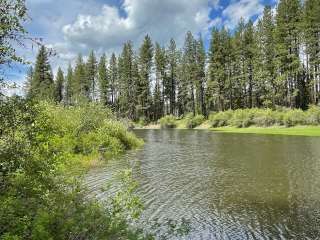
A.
pixel 312 131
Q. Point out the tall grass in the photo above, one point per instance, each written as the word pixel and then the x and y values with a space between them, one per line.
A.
pixel 243 118
pixel 168 121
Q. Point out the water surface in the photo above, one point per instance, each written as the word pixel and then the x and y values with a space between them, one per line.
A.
pixel 230 186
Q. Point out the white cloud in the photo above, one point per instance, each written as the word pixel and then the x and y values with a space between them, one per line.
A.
pixel 241 9
pixel 109 29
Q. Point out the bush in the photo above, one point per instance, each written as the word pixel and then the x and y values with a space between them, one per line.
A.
pixel 294 117
pixel 313 115
pixel 39 199
pixel 142 121
pixel 168 121
pixel 194 121
pixel 242 118
pixel 220 119
pixel 267 118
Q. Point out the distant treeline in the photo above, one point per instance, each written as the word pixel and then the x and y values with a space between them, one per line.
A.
pixel 275 62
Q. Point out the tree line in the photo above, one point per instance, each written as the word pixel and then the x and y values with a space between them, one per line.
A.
pixel 275 62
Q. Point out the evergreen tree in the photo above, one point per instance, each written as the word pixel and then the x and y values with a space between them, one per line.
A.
pixel 311 23
pixel 170 83
pixel 187 86
pixel 128 82
pixel 160 64
pixel 103 80
pixel 79 80
pixel 219 56
pixel 42 85
pixel 145 65
pixel 249 52
pixel 265 68
pixel 113 77
pixel 69 86
pixel 91 72
pixel 200 83
pixel 58 93
pixel 288 19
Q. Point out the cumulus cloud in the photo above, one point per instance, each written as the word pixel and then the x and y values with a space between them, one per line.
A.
pixel 241 9
pixel 164 19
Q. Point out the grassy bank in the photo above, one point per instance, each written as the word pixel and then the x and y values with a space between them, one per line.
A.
pixel 259 121
pixel 311 131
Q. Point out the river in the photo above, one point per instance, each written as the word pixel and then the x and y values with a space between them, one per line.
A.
pixel 229 186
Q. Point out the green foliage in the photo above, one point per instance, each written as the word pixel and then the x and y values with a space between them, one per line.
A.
pixel 12 33
pixel 194 121
pixel 294 117
pixel 313 115
pixel 243 118
pixel 42 84
pixel 267 118
pixel 220 119
pixel 39 145
pixel 168 121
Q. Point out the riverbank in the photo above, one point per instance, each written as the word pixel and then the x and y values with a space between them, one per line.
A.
pixel 309 131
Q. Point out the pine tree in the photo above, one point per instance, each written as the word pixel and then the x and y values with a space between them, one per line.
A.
pixel 288 19
pixel 158 96
pixel 239 70
pixel 190 73
pixel 103 80
pixel 265 68
pixel 42 86
pixel 79 80
pixel 69 86
pixel 128 82
pixel 219 56
pixel 91 72
pixel 113 76
pixel 249 60
pixel 170 84
pixel 145 65
pixel 200 81
pixel 311 23
pixel 58 93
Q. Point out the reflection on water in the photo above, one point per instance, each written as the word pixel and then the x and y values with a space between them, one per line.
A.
pixel 230 186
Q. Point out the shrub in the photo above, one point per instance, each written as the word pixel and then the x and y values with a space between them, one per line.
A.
pixel 242 118
pixel 220 119
pixel 142 121
pixel 168 121
pixel 294 117
pixel 39 199
pixel 267 118
pixel 313 115
pixel 194 121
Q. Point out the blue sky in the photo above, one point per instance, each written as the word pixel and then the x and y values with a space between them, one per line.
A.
pixel 73 26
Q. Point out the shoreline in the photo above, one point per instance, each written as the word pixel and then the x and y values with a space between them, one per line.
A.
pixel 307 131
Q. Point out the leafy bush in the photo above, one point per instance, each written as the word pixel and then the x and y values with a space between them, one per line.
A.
pixel 142 121
pixel 267 118
pixel 313 115
pixel 294 117
pixel 242 118
pixel 168 121
pixel 194 121
pixel 220 119
pixel 38 198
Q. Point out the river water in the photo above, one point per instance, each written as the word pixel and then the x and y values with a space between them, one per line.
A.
pixel 229 186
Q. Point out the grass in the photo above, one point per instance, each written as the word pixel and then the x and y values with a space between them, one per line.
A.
pixel 310 131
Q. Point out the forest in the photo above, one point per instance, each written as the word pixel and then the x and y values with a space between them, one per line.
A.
pixel 273 62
